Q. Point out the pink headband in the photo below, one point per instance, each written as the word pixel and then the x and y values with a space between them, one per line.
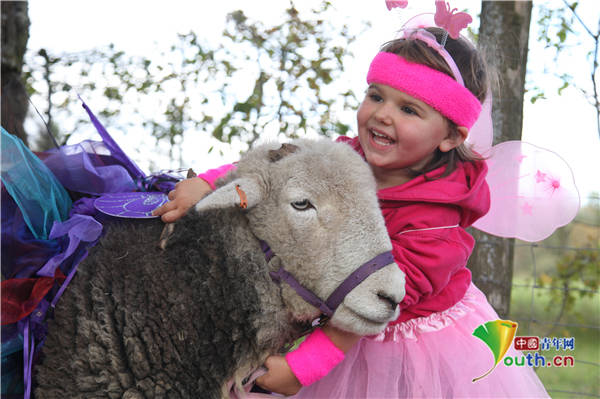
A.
pixel 433 87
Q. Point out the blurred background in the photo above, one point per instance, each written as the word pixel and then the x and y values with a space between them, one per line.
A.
pixel 184 84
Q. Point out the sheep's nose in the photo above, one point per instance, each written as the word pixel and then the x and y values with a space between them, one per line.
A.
pixel 391 302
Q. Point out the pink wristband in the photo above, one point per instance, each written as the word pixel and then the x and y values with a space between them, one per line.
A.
pixel 212 175
pixel 314 358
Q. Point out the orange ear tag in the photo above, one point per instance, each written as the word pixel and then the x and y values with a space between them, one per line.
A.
pixel 243 198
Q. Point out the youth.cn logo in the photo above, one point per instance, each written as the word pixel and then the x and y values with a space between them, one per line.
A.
pixel 498 335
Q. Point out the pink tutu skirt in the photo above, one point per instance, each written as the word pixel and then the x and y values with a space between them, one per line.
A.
pixel 430 357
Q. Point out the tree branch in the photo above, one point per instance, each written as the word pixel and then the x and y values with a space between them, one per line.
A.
pixel 581 21
pixel 596 38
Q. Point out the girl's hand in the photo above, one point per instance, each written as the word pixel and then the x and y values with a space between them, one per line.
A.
pixel 279 377
pixel 185 195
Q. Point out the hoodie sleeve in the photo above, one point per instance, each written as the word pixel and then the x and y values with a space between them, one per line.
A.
pixel 432 260
pixel 212 175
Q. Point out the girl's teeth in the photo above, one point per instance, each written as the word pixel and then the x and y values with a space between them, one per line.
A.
pixel 381 139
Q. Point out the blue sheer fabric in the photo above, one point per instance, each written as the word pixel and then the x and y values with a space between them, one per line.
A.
pixel 36 191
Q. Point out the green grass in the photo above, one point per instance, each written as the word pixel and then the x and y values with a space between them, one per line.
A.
pixel 582 378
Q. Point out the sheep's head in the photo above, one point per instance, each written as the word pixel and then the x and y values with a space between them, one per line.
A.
pixel 315 204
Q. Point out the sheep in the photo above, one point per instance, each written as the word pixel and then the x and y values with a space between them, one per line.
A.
pixel 138 321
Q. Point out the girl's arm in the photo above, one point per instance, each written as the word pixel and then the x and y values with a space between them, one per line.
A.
pixel 188 192
pixel 429 261
pixel 313 359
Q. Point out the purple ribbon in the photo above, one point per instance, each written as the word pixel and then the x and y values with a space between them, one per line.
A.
pixel 78 228
pixel 115 150
pixel 28 350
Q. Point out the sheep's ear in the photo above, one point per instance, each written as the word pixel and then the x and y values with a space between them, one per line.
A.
pixel 283 151
pixel 243 192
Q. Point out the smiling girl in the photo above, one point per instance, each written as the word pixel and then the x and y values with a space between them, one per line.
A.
pixel 423 98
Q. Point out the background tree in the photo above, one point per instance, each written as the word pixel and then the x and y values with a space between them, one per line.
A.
pixel 502 22
pixel 15 33
pixel 198 87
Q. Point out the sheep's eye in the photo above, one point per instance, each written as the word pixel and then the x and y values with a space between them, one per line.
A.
pixel 302 205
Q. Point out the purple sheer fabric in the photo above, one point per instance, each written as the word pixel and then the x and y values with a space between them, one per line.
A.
pixel 87 170
pixel 112 145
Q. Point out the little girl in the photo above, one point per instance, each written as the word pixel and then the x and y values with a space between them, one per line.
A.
pixel 412 125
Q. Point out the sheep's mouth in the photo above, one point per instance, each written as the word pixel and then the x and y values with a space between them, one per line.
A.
pixel 370 319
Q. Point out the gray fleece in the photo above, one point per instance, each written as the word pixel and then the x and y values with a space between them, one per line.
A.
pixel 139 322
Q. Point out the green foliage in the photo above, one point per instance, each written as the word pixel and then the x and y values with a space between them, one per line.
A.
pixel 574 273
pixel 296 61
pixel 559 29
pixel 563 300
pixel 577 269
pixel 562 382
pixel 197 87
pixel 555 25
pixel 537 95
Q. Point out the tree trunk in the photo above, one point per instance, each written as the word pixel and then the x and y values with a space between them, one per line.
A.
pixel 15 33
pixel 503 38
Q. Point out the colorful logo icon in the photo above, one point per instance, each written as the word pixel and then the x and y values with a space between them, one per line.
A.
pixel 498 336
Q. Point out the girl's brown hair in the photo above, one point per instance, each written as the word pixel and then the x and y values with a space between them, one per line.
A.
pixel 473 70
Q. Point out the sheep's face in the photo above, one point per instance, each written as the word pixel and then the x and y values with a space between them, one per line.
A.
pixel 317 209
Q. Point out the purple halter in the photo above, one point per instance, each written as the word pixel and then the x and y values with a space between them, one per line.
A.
pixel 329 306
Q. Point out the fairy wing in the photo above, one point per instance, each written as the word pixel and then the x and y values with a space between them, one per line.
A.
pixel 532 192
pixel 481 134
pixel 532 189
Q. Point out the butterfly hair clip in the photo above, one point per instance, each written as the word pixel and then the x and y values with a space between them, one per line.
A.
pixel 445 17
pixel 451 20
pixel 394 4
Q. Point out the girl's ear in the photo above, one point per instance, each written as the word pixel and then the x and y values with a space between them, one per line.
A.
pixel 453 141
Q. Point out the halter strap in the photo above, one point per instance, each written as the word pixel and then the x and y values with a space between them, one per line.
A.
pixel 357 277
pixel 329 306
pixel 306 294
